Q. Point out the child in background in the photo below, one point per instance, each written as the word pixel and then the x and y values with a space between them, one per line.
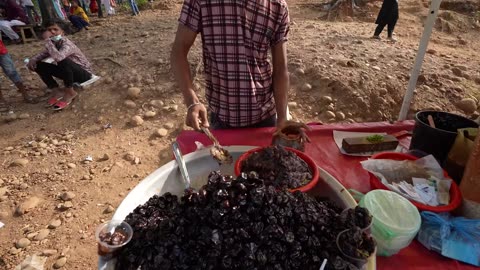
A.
pixel 78 17
pixel 68 64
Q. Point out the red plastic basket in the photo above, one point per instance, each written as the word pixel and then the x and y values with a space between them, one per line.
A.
pixel 311 164
pixel 455 194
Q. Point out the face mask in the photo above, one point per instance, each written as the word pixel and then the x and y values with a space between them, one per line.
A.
pixel 56 38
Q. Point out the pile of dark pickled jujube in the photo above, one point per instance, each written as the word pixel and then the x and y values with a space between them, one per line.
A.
pixel 278 167
pixel 236 224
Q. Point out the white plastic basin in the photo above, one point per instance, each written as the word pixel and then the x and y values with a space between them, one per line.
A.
pixel 199 164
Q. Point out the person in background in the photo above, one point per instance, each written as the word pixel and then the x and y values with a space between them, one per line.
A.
pixel 66 6
pixel 133 5
pixel 242 90
pixel 388 16
pixel 6 23
pixel 8 68
pixel 29 9
pixel 64 60
pixel 58 9
pixel 78 17
pixel 83 4
pixel 93 6
pixel 13 11
pixel 109 9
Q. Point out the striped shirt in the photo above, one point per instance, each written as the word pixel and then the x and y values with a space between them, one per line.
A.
pixel 236 37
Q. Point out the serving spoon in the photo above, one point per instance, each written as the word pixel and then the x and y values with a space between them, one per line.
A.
pixel 220 154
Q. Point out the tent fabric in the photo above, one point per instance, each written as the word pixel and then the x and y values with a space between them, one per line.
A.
pixel 345 168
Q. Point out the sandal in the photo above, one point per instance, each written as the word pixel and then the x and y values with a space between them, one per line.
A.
pixel 60 105
pixel 53 101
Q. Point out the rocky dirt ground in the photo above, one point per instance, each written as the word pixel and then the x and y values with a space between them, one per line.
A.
pixel 52 198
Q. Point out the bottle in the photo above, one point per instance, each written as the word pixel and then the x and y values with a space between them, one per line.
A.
pixel 470 185
pixel 26 61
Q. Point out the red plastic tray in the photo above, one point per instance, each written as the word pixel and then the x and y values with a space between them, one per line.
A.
pixel 455 194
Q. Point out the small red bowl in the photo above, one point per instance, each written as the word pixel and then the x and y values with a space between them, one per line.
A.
pixel 311 164
pixel 455 195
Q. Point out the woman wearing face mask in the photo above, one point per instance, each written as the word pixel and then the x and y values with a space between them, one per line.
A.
pixel 62 59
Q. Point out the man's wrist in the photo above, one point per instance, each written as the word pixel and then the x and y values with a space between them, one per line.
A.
pixel 189 107
pixel 190 97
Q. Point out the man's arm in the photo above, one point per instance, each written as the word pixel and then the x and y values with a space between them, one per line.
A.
pixel 184 40
pixel 281 82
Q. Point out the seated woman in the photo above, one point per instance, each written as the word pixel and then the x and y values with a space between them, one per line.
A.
pixel 64 60
pixel 78 17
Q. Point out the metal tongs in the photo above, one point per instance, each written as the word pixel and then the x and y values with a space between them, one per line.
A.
pixel 181 165
pixel 220 154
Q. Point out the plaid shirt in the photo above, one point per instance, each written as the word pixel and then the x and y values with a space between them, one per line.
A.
pixel 236 38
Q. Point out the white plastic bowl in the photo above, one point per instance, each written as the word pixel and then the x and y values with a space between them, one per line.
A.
pixel 199 165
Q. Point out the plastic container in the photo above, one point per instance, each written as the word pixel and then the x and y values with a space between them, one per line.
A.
pixel 199 164
pixel 438 141
pixel 365 229
pixel 311 164
pixel 107 250
pixel 396 221
pixel 455 194
pixel 358 262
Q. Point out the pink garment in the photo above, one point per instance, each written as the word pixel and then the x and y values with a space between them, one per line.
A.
pixel 62 49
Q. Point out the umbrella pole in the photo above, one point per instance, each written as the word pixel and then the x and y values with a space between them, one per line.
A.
pixel 422 48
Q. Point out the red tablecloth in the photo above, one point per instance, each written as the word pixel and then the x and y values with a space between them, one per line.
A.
pixel 346 169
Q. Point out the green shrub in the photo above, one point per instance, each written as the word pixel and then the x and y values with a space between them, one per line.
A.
pixel 143 4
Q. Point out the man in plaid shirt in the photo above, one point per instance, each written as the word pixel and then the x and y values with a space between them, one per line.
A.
pixel 242 89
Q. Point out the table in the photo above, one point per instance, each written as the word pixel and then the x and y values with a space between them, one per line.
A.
pixel 345 168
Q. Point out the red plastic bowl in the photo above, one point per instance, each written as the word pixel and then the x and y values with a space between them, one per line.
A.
pixel 311 164
pixel 455 195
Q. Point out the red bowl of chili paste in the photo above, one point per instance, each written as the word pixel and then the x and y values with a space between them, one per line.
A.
pixel 282 167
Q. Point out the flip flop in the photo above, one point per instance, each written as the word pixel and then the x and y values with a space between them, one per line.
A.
pixel 60 105
pixel 53 101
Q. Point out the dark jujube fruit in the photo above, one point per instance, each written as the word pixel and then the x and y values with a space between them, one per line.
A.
pixel 234 224
pixel 278 167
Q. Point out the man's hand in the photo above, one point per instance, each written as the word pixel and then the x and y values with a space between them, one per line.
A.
pixel 197 117
pixel 46 35
pixel 32 65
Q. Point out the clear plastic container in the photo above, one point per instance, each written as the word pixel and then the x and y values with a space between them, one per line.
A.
pixel 358 262
pixel 344 215
pixel 107 250
pixel 396 221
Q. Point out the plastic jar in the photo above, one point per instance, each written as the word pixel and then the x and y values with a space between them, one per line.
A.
pixel 396 221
